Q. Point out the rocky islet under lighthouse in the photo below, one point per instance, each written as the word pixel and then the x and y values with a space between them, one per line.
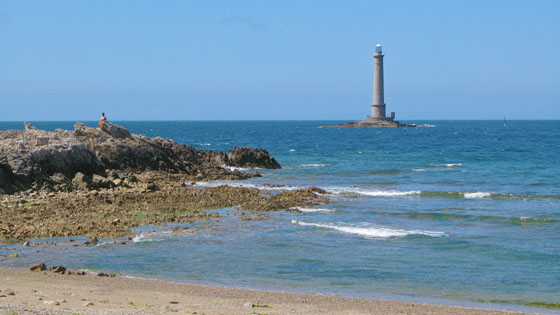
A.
pixel 378 108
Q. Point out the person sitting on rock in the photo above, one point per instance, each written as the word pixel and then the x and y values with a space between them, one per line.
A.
pixel 102 120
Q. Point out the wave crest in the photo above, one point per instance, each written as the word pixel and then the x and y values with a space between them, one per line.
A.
pixel 477 195
pixel 371 231
pixel 373 192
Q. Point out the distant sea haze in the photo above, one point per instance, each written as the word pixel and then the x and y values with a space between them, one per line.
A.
pixel 456 212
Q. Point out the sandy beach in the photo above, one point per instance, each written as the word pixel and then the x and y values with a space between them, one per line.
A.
pixel 50 293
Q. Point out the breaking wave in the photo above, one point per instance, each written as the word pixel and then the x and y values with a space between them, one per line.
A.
pixel 355 191
pixel 371 231
pixel 312 165
pixel 372 192
pixel 476 195
pixel 147 237
pixel 522 220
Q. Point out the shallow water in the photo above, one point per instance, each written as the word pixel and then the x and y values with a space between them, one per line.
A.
pixel 462 212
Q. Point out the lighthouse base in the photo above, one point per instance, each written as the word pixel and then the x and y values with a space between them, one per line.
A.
pixel 369 122
pixel 374 122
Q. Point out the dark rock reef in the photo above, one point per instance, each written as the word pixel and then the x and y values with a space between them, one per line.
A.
pixel 64 160
pixel 114 212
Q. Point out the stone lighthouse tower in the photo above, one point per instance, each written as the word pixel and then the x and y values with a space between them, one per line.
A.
pixel 378 106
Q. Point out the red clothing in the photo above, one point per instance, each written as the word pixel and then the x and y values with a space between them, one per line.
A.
pixel 103 119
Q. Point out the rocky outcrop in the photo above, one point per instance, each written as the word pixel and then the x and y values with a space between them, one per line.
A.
pixel 116 131
pixel 29 158
pixel 34 158
pixel 251 158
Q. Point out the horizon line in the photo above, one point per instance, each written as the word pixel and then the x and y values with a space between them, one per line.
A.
pixel 226 120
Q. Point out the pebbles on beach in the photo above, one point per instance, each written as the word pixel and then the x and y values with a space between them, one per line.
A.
pixel 9 292
pixel 102 274
pixel 57 269
pixel 38 267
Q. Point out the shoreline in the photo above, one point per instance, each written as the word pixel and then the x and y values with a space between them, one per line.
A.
pixel 50 293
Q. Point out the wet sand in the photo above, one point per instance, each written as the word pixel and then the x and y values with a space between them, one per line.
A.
pixel 50 293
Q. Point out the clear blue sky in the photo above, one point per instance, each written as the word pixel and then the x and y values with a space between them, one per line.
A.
pixel 190 60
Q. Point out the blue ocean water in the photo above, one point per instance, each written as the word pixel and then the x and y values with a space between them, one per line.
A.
pixel 457 212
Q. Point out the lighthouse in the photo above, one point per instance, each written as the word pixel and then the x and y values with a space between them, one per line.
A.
pixel 377 119
pixel 378 106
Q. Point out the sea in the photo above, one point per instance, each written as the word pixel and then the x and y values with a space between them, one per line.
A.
pixel 450 212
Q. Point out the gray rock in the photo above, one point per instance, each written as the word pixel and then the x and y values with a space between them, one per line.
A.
pixel 57 269
pixel 28 159
pixel 116 131
pixel 252 158
pixel 38 267
pixel 99 181
pixel 81 181
pixel 40 141
pixel 145 178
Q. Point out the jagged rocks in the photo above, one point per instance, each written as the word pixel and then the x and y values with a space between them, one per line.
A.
pixel 251 158
pixel 28 159
pixel 116 131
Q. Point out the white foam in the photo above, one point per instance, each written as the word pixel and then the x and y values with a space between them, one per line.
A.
pixel 292 150
pixel 205 144
pixel 448 165
pixel 418 169
pixel 146 237
pixel 233 168
pixel 89 272
pixel 373 192
pixel 316 210
pixel 476 195
pixel 371 231
pixel 426 125
pixel 312 165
